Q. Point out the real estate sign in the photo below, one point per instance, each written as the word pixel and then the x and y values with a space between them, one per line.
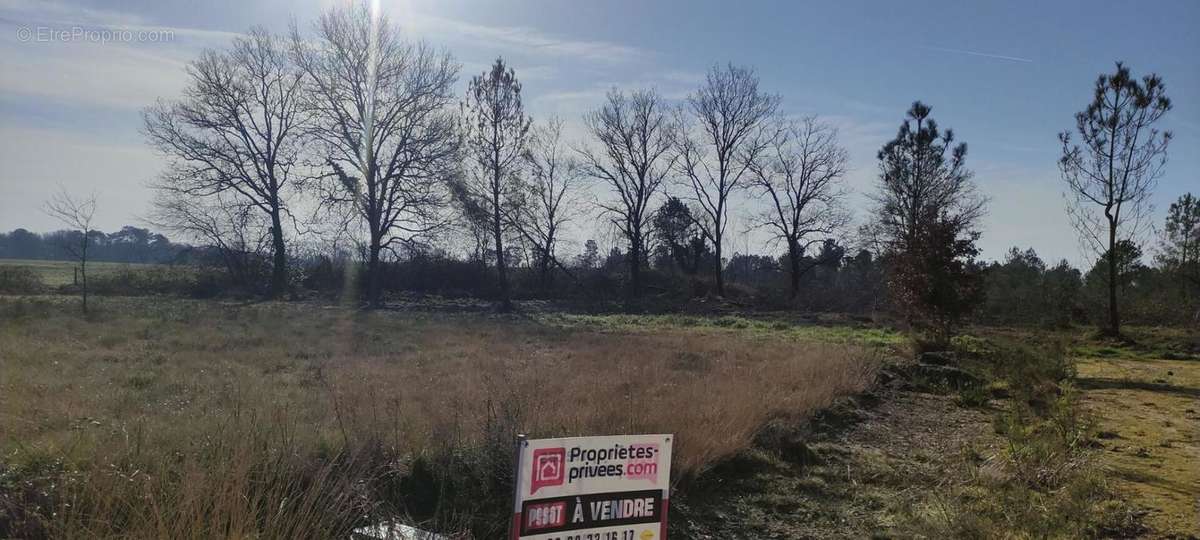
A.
pixel 592 488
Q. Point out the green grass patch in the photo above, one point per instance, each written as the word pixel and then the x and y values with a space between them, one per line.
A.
pixel 773 327
pixel 1141 343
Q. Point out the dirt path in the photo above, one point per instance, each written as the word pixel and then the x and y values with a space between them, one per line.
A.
pixel 862 465
pixel 1148 412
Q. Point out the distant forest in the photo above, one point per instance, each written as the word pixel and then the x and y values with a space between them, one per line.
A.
pixel 128 245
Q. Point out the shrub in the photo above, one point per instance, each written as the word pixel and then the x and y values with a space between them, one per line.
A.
pixel 142 281
pixel 324 274
pixel 19 280
pixel 188 281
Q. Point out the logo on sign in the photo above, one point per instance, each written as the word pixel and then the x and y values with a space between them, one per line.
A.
pixel 548 468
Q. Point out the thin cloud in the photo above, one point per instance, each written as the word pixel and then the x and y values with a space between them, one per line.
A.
pixel 49 11
pixel 528 39
pixel 980 54
pixel 112 75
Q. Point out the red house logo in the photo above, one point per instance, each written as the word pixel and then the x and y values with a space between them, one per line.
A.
pixel 549 466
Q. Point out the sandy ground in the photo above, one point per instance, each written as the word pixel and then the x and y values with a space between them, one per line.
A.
pixel 1148 414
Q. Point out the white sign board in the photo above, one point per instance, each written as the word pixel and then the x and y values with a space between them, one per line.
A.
pixel 592 488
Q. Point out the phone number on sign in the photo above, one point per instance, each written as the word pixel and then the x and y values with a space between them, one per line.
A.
pixel 628 534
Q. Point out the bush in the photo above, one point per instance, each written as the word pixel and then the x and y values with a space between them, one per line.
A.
pixel 186 281
pixel 19 280
pixel 324 274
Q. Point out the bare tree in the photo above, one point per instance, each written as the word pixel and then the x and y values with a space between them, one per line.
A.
pixel 495 131
pixel 1111 176
pixel 379 108
pixel 721 134
pixel 552 194
pixel 800 175
pixel 635 139
pixel 77 214
pixel 236 131
pixel 238 233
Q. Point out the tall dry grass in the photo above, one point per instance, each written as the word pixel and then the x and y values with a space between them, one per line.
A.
pixel 200 419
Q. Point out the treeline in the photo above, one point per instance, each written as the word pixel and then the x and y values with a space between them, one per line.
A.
pixel 1022 289
pixel 128 245
pixel 354 122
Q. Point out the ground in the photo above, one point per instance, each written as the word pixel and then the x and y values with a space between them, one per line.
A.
pixel 1149 426
pixel 781 433
pixel 907 462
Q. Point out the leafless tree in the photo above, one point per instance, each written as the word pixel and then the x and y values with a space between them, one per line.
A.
pixel 495 130
pixel 77 214
pixel 635 139
pixel 226 224
pixel 552 194
pixel 1111 176
pixel 722 127
pixel 800 174
pixel 380 114
pixel 236 131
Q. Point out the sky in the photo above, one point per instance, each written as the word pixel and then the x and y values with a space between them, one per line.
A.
pixel 1006 76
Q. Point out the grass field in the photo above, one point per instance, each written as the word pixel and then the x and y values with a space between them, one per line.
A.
pixel 58 273
pixel 157 417
pixel 164 417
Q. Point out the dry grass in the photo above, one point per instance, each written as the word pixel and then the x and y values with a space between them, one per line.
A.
pixel 246 418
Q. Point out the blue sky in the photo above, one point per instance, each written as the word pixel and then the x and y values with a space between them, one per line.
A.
pixel 1006 76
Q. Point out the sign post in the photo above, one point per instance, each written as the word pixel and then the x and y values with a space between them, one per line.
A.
pixel 592 488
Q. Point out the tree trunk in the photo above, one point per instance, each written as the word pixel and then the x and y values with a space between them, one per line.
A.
pixel 83 258
pixel 718 268
pixel 279 262
pixel 1114 319
pixel 83 273
pixel 794 263
pixel 635 267
pixel 498 233
pixel 502 270
pixel 373 278
pixel 544 271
